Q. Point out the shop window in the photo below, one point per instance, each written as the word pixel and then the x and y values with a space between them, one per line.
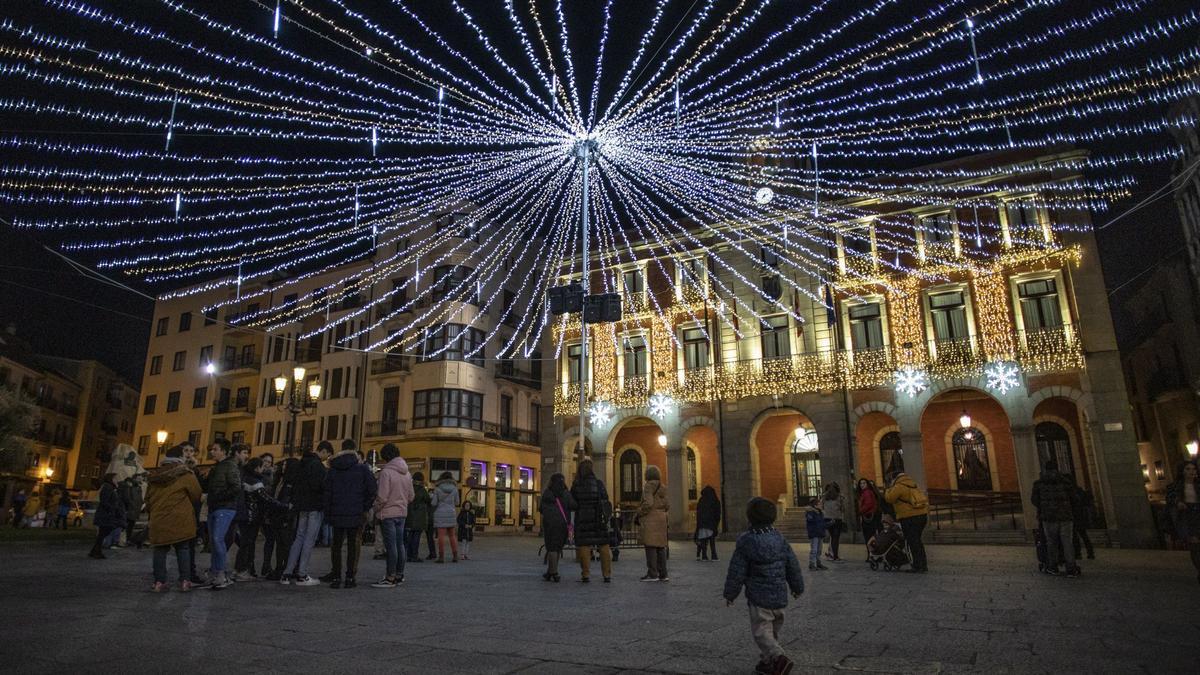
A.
pixel 631 476
pixel 529 495
pixel 971 460
pixel 503 500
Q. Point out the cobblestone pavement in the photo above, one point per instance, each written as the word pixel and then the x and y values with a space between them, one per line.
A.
pixel 981 609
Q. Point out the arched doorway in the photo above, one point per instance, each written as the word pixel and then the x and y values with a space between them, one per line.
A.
pixel 629 475
pixel 693 478
pixel 968 444
pixel 891 454
pixel 637 443
pixel 785 457
pixel 972 469
pixel 806 466
pixel 1054 443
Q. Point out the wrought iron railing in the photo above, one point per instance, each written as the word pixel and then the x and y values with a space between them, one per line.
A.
pixel 960 509
pixel 391 364
pixel 510 433
pixel 385 428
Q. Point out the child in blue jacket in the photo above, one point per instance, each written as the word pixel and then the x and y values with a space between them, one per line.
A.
pixel 818 527
pixel 765 564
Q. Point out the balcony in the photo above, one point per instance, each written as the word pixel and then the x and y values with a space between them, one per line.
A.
pixel 508 432
pixel 506 369
pixel 385 428
pixel 948 357
pixel 234 409
pixel 1049 350
pixel 244 362
pixel 391 364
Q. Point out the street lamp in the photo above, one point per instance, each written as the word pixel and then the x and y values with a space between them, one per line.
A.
pixel 662 440
pixel 1193 448
pixel 49 473
pixel 161 436
pixel 294 398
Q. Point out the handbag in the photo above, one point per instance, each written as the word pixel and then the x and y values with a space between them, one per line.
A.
pixel 570 526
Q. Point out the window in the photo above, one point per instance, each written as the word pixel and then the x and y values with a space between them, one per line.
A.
pixel 150 403
pixel 891 455
pixel 635 356
pixel 1024 226
pixel 633 282
pixel 631 476
pixel 769 257
pixel 238 437
pixel 194 438
pixel 1159 471
pixel 200 397
pixel 143 445
pixel 180 361
pixel 775 343
pixel 1039 304
pixel 503 498
pixel 278 348
pixel 243 398
pixel 535 419
pixel 450 282
pixel 331 427
pixel 506 411
pixel 772 286
pixel 695 349
pixel 447 408
pixel 453 342
pixel 399 293
pixel 477 475
pixel 437 465
pixel 937 229
pixel 525 482
pixel 971 460
pixel 335 384
pixel 693 477
pixel 1053 442
pixel 948 312
pixel 185 322
pixel 172 401
pixel 866 327
pixel 206 355
pixel 161 328
pixel 210 316
pixel 574 363
pixel 156 365
pixel 691 272
pixel 806 467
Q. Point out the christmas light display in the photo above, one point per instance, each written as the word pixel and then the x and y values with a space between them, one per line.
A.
pixel 1003 376
pixel 599 413
pixel 273 164
pixel 660 405
pixel 911 381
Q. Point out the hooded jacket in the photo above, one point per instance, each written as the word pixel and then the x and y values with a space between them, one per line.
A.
pixel 349 491
pixel 418 508
pixel 652 513
pixel 1054 497
pixel 815 523
pixel 764 563
pixel 395 490
pixel 172 497
pixel 445 504
pixel 907 498
pixel 110 511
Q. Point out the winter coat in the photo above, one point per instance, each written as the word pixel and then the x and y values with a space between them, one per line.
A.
pixel 592 512
pixel 834 507
pixel 349 491
pixel 708 510
pixel 445 504
pixel 1054 497
pixel 466 525
pixel 1083 506
pixel 907 498
pixel 258 504
pixel 554 526
pixel 172 497
pixel 869 506
pixel 224 485
pixel 418 509
pixel 652 514
pixel 764 563
pixel 110 511
pixel 304 483
pixel 395 490
pixel 815 523
pixel 131 496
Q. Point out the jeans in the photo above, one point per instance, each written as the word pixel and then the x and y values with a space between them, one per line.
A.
pixel 835 534
pixel 114 537
pixel 218 526
pixel 764 626
pixel 308 524
pixel 183 562
pixel 656 562
pixel 704 545
pixel 392 530
pixel 268 532
pixel 913 526
pixel 584 555
pixel 412 544
pixel 247 538
pixel 353 538
pixel 1058 544
pixel 446 533
pixel 814 550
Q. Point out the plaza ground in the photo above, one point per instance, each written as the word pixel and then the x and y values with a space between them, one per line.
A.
pixel 981 609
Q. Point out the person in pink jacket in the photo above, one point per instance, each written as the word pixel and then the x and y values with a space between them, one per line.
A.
pixel 391 507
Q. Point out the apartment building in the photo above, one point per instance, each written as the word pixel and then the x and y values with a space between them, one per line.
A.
pixel 388 345
pixel 968 358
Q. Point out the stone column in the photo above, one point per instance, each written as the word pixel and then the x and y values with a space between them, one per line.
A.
pixel 676 479
pixel 914 455
pixel 1025 447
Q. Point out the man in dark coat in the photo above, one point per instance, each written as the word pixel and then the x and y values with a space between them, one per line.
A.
pixel 349 495
pixel 305 483
pixel 591 520
pixel 110 514
pixel 1054 495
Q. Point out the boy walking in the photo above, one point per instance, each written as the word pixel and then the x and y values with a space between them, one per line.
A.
pixel 765 564
pixel 816 527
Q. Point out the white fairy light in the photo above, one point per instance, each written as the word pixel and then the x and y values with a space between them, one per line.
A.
pixel 599 413
pixel 1003 376
pixel 661 405
pixel 911 381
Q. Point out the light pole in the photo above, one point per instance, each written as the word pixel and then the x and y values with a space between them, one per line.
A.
pixel 585 151
pixel 293 398
pixel 160 436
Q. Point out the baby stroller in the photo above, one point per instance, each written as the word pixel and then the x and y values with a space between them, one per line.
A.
pixel 889 549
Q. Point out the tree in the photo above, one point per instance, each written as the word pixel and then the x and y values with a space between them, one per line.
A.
pixel 17 418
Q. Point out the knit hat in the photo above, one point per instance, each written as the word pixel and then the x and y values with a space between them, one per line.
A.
pixel 760 512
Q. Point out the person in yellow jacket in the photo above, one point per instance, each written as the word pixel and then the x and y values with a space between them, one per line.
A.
pixel 912 510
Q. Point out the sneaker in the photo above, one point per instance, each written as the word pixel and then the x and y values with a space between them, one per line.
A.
pixel 399 579
pixel 242 576
pixel 820 566
pixel 812 567
pixel 648 577
pixel 159 587
pixel 273 576
pixel 781 665
pixel 764 668
pixel 350 583
pixel 185 586
pixel 1050 571
pixel 664 578
pixel 223 582
pixel 306 581
pixel 1074 573
pixel 285 579
pixel 584 580
pixel 267 572
pixel 336 583
pixel 384 583
pixel 329 577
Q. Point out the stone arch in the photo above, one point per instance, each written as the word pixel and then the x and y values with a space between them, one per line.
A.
pixel 873 406
pixel 618 478
pixel 869 428
pixel 1068 414
pixel 1081 400
pixel 771 474
pixel 939 422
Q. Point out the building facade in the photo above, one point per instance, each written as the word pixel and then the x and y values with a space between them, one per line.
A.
pixel 391 342
pixel 967 361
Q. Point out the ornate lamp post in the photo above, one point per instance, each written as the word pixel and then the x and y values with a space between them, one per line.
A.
pixel 160 436
pixel 294 398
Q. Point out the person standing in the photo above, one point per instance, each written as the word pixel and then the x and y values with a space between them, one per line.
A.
pixel 418 518
pixel 259 507
pixel 64 510
pixel 833 504
pixel 816 526
pixel 1053 496
pixel 130 491
pixel 307 488
pixel 268 523
pixel 708 519
pixel 592 514
pixel 466 529
pixel 110 514
pixel 224 491
pixel 172 496
pixel 767 567
pixel 912 510
pixel 1083 506
pixel 18 508
pixel 1183 505
pixel 391 507
pixel 445 514
pixel 555 504
pixel 652 515
pixel 870 509
pixel 349 494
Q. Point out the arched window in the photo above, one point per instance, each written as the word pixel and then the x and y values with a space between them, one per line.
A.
pixel 1053 442
pixel 631 476
pixel 693 491
pixel 806 466
pixel 971 460
pixel 891 456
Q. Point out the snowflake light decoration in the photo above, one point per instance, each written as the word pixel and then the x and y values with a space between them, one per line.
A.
pixel 661 405
pixel 1003 376
pixel 911 381
pixel 600 413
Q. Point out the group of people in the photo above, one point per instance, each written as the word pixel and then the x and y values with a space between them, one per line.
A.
pixel 901 504
pixel 289 504
pixel 29 511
